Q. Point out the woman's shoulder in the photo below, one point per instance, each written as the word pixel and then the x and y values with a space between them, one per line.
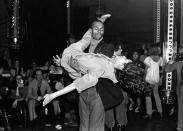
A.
pixel 156 58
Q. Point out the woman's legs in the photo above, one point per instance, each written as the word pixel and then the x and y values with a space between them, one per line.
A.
pixel 148 105
pixel 157 98
pixel 180 110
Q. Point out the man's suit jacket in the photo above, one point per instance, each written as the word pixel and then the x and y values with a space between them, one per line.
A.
pixel 104 48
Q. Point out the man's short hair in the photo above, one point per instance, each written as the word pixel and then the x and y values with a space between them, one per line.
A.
pixel 35 71
pixel 96 22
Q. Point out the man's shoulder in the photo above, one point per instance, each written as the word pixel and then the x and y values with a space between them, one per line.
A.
pixel 32 83
pixel 105 48
pixel 107 43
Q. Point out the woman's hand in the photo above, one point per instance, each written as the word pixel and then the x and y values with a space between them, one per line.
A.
pixel 57 60
pixel 47 99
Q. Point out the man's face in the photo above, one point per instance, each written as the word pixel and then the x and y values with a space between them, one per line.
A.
pixel 39 75
pixel 97 30
pixel 13 72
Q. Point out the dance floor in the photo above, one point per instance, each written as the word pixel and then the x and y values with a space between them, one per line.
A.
pixel 136 123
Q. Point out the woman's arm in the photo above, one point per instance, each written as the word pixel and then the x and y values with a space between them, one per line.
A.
pixel 80 84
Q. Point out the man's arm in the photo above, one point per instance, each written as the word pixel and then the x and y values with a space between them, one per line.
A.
pixel 85 82
pixel 82 44
pixel 170 67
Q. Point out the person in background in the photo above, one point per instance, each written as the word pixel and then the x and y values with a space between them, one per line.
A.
pixel 5 59
pixel 5 100
pixel 153 63
pixel 138 63
pixel 30 72
pixel 1 95
pixel 21 91
pixel 178 67
pixel 37 88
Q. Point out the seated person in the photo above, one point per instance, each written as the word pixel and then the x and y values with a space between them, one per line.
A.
pixel 5 100
pixel 37 88
pixel 20 92
pixel 19 103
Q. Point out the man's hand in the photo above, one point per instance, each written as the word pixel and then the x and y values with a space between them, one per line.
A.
pixel 14 105
pixel 39 98
pixel 47 99
pixel 104 17
pixel 57 60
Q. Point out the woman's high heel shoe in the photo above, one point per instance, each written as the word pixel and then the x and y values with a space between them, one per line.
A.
pixel 147 116
pixel 160 114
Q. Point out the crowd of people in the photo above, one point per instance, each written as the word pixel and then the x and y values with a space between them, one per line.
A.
pixel 104 82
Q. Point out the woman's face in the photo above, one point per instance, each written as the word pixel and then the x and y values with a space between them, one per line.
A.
pixel 135 55
pixel 119 51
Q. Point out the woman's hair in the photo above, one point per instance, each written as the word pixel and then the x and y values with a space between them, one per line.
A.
pixel 132 53
pixel 116 46
pixel 155 50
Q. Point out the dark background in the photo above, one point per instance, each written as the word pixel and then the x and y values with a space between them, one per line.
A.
pixel 46 24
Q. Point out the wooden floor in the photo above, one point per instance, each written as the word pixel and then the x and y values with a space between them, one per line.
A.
pixel 136 123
